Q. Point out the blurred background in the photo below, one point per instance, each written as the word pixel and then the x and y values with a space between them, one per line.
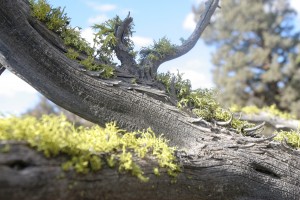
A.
pixel 250 52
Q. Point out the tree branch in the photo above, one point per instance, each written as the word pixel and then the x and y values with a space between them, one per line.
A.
pixel 210 7
pixel 122 51
pixel 220 169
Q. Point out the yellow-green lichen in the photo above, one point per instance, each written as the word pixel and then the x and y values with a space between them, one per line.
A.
pixel 201 102
pixel 57 21
pixel 88 149
pixel 158 50
pixel 271 110
pixel 291 137
pixel 156 171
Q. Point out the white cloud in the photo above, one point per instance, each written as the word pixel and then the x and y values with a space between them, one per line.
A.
pixel 296 5
pixel 140 41
pixel 197 2
pixel 11 85
pixel 88 34
pixel 196 70
pixel 97 19
pixel 106 7
pixel 199 73
pixel 16 96
pixel 101 7
pixel 189 22
pixel 198 79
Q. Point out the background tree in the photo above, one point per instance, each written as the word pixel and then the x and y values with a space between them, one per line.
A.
pixel 256 58
pixel 46 107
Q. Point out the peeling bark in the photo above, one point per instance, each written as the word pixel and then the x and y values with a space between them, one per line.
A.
pixel 217 163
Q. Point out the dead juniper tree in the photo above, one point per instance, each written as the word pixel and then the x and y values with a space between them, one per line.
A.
pixel 216 162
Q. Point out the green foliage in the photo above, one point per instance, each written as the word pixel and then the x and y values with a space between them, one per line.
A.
pixel 257 54
pixel 271 110
pixel 72 39
pixel 40 9
pixel 291 137
pixel 72 54
pixel 57 21
pixel 55 18
pixel 106 40
pixel 181 86
pixel 89 149
pixel 159 50
pixel 202 102
pixel 156 171
pixel 90 64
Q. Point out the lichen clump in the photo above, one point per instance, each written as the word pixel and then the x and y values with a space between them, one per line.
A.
pixel 201 102
pixel 271 110
pixel 291 137
pixel 57 21
pixel 88 149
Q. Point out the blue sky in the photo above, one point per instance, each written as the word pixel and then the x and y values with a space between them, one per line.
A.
pixel 153 20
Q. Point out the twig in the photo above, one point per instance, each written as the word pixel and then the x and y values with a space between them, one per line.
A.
pixel 251 131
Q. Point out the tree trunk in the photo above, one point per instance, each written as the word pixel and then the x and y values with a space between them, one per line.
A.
pixel 218 163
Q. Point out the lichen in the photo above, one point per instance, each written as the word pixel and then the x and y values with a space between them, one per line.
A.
pixel 57 21
pixel 271 110
pixel 292 137
pixel 201 102
pixel 88 149
pixel 158 50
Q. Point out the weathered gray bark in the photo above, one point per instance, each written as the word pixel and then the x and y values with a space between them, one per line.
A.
pixel 218 163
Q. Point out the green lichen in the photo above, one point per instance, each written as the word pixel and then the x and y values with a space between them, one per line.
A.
pixel 72 54
pixel 57 21
pixel 291 137
pixel 158 50
pixel 156 171
pixel 271 110
pixel 55 18
pixel 106 40
pixel 182 87
pixel 201 102
pixel 88 149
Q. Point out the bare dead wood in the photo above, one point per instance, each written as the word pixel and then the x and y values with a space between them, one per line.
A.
pixel 123 53
pixel 216 165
